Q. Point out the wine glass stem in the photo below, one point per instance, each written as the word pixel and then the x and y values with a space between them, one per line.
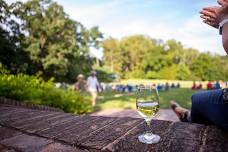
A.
pixel 148 130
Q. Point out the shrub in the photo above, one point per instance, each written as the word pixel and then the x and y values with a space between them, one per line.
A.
pixel 32 89
pixel 152 75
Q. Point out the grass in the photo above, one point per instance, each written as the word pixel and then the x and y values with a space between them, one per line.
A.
pixel 111 100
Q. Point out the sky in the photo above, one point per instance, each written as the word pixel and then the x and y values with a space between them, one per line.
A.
pixel 161 19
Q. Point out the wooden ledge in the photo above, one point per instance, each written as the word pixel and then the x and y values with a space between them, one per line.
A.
pixel 24 129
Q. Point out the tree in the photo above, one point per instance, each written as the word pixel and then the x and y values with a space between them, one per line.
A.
pixel 183 72
pixel 136 49
pixel 57 45
pixel 113 55
pixel 140 56
pixel 169 73
pixel 12 55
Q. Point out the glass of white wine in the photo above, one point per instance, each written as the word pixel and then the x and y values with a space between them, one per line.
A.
pixel 147 104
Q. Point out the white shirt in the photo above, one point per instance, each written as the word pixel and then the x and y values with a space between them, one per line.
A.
pixel 92 83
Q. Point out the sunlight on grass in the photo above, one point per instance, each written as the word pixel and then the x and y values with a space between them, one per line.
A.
pixel 184 84
pixel 111 100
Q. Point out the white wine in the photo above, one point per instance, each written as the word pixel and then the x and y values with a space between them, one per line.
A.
pixel 147 109
pixel 147 104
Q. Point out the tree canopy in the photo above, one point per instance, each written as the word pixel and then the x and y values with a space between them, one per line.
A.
pixel 37 37
pixel 55 45
pixel 140 56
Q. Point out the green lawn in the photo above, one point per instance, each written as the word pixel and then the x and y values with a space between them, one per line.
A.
pixel 110 100
pixel 184 84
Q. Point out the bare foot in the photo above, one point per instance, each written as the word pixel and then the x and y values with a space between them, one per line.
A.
pixel 182 113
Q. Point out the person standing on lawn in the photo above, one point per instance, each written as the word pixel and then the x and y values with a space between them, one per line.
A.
pixel 210 107
pixel 80 85
pixel 93 86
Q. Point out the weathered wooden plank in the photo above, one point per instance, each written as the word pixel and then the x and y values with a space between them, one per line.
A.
pixel 101 133
pixel 5 109
pixel 130 142
pixel 47 123
pixel 17 116
pixel 31 119
pixel 58 129
pixel 11 111
pixel 7 133
pixel 215 140
pixel 51 128
pixel 182 137
pixel 180 145
pixel 171 139
pixel 12 106
pixel 22 116
pixel 187 131
pixel 57 147
pixel 5 149
pixel 82 130
pixel 27 105
pixel 102 137
pixel 26 143
pixel 7 105
pixel 10 115
pixel 2 105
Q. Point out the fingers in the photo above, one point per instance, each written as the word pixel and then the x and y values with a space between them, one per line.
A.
pixel 208 18
pixel 211 8
pixel 223 2
pixel 220 2
pixel 209 13
pixel 213 24
pixel 210 23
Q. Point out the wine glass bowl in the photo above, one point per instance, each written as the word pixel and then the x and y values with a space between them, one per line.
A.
pixel 147 104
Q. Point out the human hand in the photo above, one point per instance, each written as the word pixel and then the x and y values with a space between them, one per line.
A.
pixel 210 15
pixel 223 3
pixel 214 15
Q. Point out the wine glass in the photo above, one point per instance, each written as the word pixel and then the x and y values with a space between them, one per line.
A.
pixel 147 104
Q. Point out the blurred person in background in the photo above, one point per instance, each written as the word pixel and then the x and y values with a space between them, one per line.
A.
pixel 167 86
pixel 200 86
pixel 172 85
pixel 217 85
pixel 209 85
pixel 93 86
pixel 222 84
pixel 178 85
pixel 80 85
pixel 194 86
pixel 210 107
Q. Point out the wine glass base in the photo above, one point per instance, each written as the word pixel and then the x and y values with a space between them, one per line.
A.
pixel 149 138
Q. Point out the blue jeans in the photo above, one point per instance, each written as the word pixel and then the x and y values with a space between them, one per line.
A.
pixel 209 107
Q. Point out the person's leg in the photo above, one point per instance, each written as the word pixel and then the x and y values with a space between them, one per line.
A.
pixel 208 107
pixel 94 98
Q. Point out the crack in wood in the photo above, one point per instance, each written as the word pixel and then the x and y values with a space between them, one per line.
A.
pixel 108 146
pixel 203 139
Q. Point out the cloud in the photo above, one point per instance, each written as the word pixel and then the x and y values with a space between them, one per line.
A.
pixel 192 33
pixel 120 18
pixel 114 19
pixel 91 15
